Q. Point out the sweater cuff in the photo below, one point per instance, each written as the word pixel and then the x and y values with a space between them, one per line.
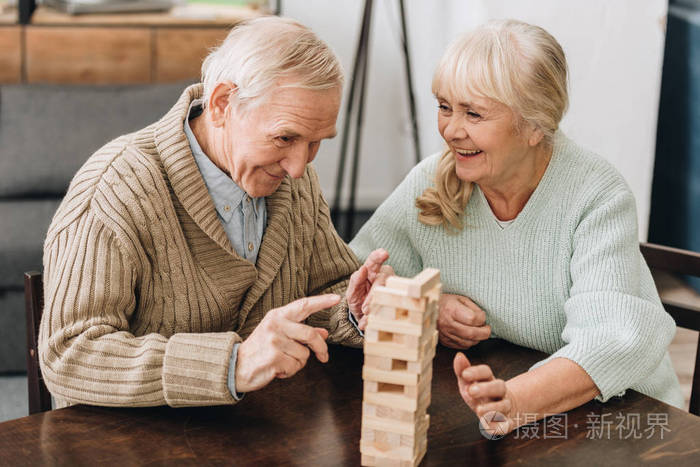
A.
pixel 231 381
pixel 354 322
pixel 341 330
pixel 195 369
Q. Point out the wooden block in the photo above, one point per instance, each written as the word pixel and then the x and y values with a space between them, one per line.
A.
pixel 382 440
pixel 394 377
pixel 414 390
pixel 390 297
pixel 379 411
pixel 372 334
pixel 402 284
pixel 371 386
pixel 380 323
pixel 395 400
pixel 418 286
pixel 400 414
pixel 380 362
pixel 402 351
pixel 427 359
pixel 394 395
pixel 389 349
pixel 10 55
pixel 388 425
pixel 411 382
pixel 434 293
pixel 88 55
pixel 179 52
pixel 402 315
pixel 381 450
pixel 372 461
pixel 374 455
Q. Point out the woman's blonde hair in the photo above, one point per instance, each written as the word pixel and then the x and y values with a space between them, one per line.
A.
pixel 257 53
pixel 514 63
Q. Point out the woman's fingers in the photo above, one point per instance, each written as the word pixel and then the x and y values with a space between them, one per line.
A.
pixel 460 364
pixel 501 407
pixel 494 389
pixel 477 373
pixel 454 342
pixel 456 330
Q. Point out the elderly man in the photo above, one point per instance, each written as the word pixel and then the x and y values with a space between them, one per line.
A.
pixel 171 263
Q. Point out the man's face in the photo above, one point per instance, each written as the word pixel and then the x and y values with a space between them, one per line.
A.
pixel 277 137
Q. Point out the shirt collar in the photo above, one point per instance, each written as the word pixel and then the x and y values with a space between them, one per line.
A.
pixel 224 192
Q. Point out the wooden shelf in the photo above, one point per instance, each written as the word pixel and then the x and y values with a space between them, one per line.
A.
pixel 188 15
pixel 112 48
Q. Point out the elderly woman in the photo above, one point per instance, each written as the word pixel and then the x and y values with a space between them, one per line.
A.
pixel 535 237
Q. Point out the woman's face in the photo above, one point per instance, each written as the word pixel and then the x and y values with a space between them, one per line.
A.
pixel 484 139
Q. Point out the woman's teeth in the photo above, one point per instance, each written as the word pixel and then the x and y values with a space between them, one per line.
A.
pixel 468 153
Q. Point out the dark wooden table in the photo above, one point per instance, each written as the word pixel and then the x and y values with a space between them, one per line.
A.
pixel 314 419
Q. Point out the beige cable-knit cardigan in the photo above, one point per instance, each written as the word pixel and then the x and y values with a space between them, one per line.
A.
pixel 144 294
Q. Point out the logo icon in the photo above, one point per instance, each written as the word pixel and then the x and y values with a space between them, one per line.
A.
pixel 493 426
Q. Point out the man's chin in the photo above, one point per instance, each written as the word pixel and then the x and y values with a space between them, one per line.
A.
pixel 264 191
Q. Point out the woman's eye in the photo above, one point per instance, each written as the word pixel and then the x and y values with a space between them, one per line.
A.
pixel 443 108
pixel 473 115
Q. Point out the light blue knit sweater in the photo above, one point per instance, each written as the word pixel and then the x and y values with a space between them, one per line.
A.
pixel 565 277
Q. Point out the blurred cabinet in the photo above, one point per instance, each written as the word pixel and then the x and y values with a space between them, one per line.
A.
pixel 10 54
pixel 133 48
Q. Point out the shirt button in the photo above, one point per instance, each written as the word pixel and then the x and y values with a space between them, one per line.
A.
pixel 250 246
pixel 227 208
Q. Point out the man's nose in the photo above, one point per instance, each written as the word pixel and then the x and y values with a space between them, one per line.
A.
pixel 295 162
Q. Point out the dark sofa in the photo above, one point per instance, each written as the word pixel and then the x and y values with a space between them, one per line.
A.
pixel 46 133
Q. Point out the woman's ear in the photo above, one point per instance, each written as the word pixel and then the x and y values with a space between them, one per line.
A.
pixel 536 136
pixel 220 102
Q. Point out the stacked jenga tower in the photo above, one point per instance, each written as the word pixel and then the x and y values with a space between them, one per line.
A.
pixel 400 341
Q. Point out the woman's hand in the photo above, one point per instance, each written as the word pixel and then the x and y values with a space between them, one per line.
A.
pixel 370 274
pixel 488 397
pixel 461 323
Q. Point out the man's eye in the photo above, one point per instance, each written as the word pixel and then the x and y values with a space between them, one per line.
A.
pixel 285 139
pixel 473 115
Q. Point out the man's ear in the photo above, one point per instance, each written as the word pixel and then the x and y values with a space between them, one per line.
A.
pixel 221 102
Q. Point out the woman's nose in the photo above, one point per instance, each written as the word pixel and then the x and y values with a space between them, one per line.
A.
pixel 455 129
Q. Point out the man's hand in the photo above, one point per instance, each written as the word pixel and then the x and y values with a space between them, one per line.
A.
pixel 461 323
pixel 489 398
pixel 372 273
pixel 279 345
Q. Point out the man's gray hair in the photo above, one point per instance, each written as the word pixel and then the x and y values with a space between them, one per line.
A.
pixel 257 53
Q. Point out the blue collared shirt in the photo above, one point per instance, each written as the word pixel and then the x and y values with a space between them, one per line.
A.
pixel 244 218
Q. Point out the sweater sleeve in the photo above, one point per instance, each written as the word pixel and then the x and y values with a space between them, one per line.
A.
pixel 88 353
pixel 388 227
pixel 332 262
pixel 616 328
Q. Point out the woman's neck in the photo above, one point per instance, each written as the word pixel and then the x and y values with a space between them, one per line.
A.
pixel 508 198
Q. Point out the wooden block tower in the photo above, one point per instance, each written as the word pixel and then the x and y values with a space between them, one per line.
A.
pixel 400 341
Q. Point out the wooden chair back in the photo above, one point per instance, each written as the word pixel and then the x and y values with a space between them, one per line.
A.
pixel 686 315
pixel 39 396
